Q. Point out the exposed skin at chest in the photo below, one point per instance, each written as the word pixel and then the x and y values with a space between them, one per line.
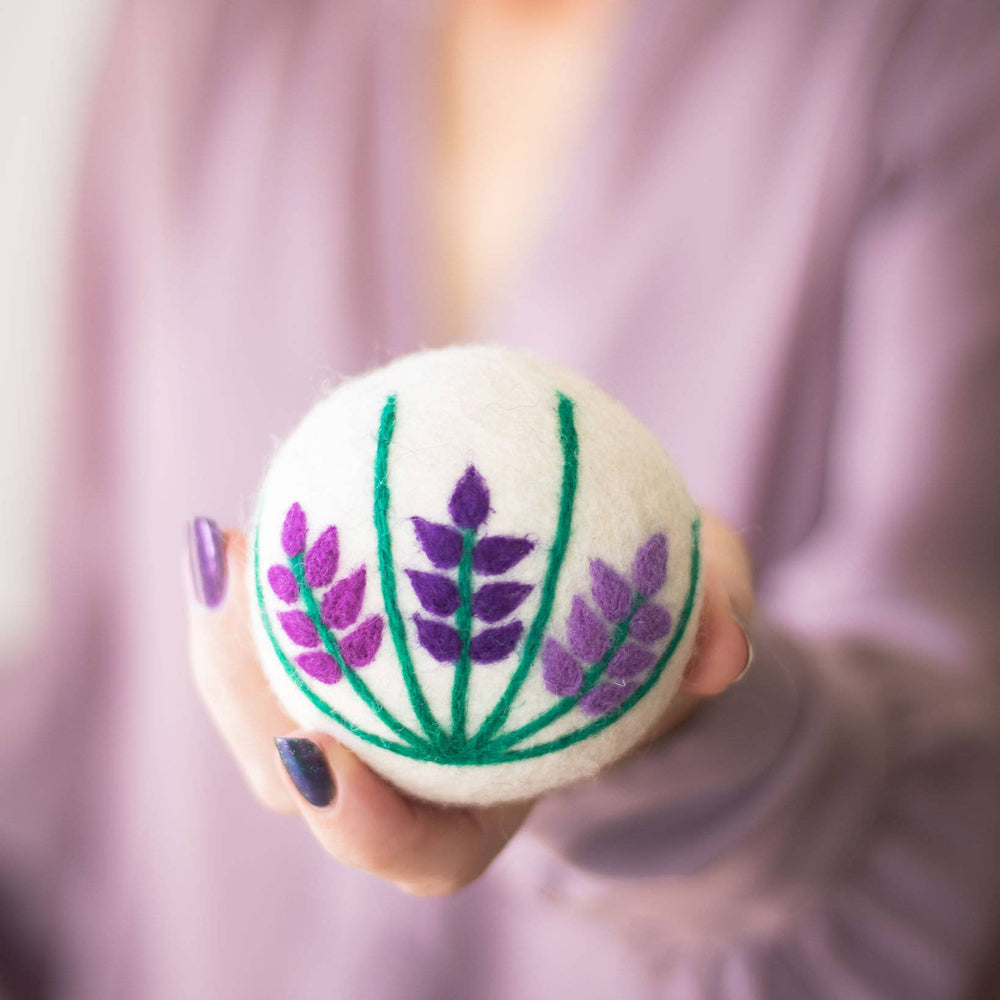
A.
pixel 514 87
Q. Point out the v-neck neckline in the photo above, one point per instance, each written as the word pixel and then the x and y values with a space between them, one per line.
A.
pixel 404 157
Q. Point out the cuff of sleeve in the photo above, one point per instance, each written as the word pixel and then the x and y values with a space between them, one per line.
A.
pixel 759 792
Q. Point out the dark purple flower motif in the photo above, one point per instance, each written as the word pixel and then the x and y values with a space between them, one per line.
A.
pixel 495 554
pixel 612 593
pixel 651 622
pixel 322 666
pixel 440 640
pixel 495 601
pixel 437 594
pixel 561 671
pixel 605 698
pixel 649 570
pixel 342 602
pixel 441 543
pixel 321 560
pixel 360 646
pixel 293 531
pixel 495 644
pixel 587 634
pixel 629 661
pixel 299 628
pixel 282 581
pixel 470 501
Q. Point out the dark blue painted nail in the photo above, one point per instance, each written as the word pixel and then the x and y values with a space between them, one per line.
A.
pixel 207 551
pixel 307 767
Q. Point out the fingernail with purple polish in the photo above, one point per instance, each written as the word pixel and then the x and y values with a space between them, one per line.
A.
pixel 307 767
pixel 207 551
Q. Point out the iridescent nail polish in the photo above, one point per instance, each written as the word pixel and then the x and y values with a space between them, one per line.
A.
pixel 308 769
pixel 207 552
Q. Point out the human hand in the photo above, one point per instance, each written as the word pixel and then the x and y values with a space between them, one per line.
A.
pixel 357 816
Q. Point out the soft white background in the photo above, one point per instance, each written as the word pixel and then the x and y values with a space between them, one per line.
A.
pixel 49 51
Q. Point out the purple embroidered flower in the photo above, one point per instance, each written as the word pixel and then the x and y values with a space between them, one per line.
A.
pixel 293 531
pixel 605 698
pixel 456 598
pixel 470 501
pixel 649 569
pixel 282 581
pixel 609 651
pixel 441 544
pixel 561 671
pixel 317 618
pixel 587 635
pixel 321 559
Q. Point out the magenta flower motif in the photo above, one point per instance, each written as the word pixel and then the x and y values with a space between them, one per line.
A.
pixel 282 581
pixel 293 532
pixel 608 651
pixel 318 618
pixel 321 559
pixel 455 601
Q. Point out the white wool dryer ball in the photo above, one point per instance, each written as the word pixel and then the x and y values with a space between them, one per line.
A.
pixel 478 571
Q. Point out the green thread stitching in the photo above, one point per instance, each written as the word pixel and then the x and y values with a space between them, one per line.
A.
pixel 332 646
pixel 293 673
pixel 564 705
pixel 387 572
pixel 570 449
pixel 441 748
pixel 463 621
pixel 540 749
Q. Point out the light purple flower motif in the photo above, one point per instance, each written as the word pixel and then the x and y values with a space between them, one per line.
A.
pixel 629 661
pixel 651 623
pixel 611 592
pixel 561 671
pixel 649 570
pixel 587 634
pixel 605 698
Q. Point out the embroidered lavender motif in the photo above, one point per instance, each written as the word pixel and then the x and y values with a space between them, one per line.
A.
pixel 324 621
pixel 452 598
pixel 614 644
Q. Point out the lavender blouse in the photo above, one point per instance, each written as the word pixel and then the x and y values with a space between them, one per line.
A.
pixel 779 243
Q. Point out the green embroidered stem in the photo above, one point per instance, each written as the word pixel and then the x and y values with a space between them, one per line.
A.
pixel 333 648
pixel 387 573
pixel 463 622
pixel 564 705
pixel 568 739
pixel 570 450
pixel 418 753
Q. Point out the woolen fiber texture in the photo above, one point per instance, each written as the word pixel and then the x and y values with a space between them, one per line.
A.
pixel 478 571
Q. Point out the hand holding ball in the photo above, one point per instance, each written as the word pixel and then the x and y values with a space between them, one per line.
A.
pixel 478 571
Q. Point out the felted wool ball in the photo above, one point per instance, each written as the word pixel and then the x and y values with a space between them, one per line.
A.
pixel 478 571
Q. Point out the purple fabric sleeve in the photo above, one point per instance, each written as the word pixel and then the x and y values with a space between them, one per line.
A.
pixel 829 827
